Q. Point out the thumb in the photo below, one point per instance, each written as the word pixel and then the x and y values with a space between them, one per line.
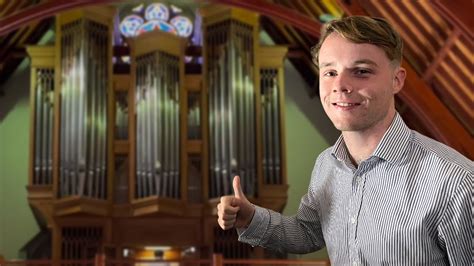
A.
pixel 238 193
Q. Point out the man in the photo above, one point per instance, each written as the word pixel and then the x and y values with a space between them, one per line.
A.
pixel 383 194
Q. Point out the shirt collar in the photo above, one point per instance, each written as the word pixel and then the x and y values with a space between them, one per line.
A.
pixel 339 150
pixel 394 142
pixel 390 148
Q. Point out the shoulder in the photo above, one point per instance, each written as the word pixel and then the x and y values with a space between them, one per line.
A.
pixel 327 154
pixel 439 154
pixel 325 157
pixel 325 162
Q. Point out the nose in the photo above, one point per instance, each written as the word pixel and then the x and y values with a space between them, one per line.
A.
pixel 342 84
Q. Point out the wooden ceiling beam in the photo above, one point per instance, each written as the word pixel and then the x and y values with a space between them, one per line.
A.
pixel 302 8
pixel 303 38
pixel 298 56
pixel 42 11
pixel 408 20
pixel 284 32
pixel 296 52
pixel 50 8
pixel 13 48
pixel 11 42
pixel 16 52
pixel 457 13
pixel 421 18
pixel 413 44
pixel 291 17
pixel 299 39
pixel 269 26
pixel 441 55
pixel 9 7
pixel 314 7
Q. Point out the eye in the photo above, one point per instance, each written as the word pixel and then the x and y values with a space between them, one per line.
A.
pixel 362 72
pixel 330 73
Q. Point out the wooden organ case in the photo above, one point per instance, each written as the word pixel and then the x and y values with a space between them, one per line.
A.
pixel 126 161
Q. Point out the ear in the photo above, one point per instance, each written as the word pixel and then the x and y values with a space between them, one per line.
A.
pixel 399 79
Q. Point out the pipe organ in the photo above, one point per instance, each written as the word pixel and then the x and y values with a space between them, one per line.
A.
pixel 44 125
pixel 158 73
pixel 42 102
pixel 270 126
pixel 272 92
pixel 230 71
pixel 84 70
pixel 142 157
pixel 273 183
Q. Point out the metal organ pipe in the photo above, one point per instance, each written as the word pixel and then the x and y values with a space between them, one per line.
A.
pixel 271 126
pixel 43 126
pixel 157 133
pixel 84 80
pixel 231 107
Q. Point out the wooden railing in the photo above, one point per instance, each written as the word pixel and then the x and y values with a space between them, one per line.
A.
pixel 216 260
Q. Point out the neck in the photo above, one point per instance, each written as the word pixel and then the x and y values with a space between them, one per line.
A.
pixel 361 144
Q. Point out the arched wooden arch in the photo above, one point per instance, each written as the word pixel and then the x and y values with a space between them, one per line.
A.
pixel 431 112
pixel 50 8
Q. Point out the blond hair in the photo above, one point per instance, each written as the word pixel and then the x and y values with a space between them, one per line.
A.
pixel 361 29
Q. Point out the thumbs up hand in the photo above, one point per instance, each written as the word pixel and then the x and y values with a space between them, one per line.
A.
pixel 236 210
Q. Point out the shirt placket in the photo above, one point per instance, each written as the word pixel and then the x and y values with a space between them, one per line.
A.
pixel 355 204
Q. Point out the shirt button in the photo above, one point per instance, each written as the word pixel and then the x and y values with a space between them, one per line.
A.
pixel 355 263
pixel 353 220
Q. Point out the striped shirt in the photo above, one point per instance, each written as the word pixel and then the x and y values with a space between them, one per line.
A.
pixel 410 203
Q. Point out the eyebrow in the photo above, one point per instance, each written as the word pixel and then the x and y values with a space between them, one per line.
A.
pixel 357 62
pixel 365 61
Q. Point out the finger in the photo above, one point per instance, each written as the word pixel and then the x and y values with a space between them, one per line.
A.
pixel 231 210
pixel 226 224
pixel 223 212
pixel 221 224
pixel 227 209
pixel 238 193
pixel 229 217
pixel 229 224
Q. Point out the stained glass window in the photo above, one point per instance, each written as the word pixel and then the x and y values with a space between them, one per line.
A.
pixel 130 24
pixel 156 16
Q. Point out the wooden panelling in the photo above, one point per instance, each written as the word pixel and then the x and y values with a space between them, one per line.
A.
pixel 121 147
pixel 457 13
pixel 165 231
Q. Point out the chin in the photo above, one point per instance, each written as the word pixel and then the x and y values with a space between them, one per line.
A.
pixel 348 126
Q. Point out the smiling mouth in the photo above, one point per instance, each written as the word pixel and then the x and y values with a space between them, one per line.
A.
pixel 346 104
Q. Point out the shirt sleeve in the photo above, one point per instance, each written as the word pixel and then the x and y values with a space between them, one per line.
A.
pixel 295 234
pixel 456 229
pixel 258 226
pixel 299 234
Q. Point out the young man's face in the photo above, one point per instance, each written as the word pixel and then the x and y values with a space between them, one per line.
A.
pixel 357 83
